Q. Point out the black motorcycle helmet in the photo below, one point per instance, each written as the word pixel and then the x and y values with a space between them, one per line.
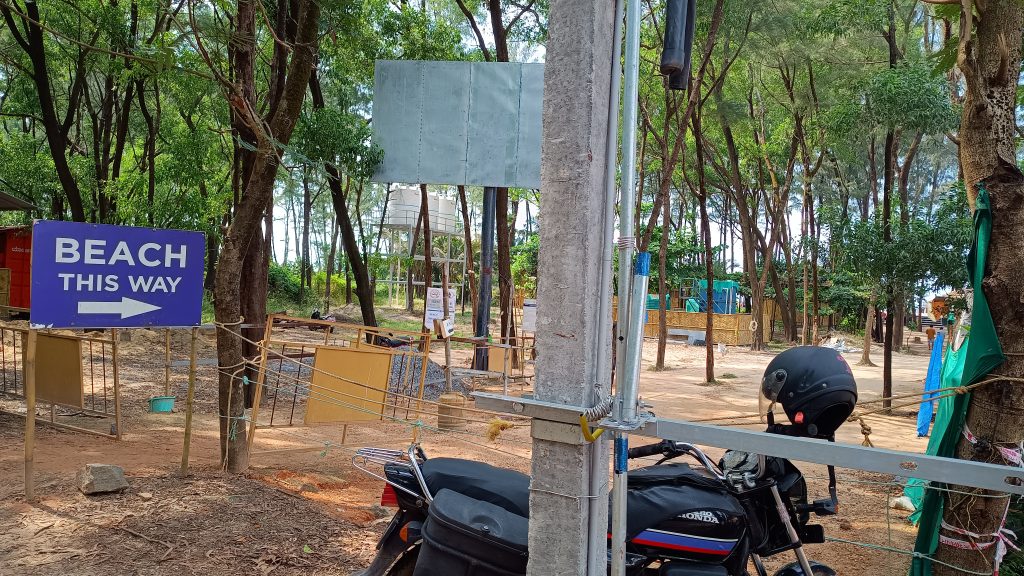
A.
pixel 815 387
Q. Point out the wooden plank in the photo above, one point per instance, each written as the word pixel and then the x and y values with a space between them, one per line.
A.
pixel 30 414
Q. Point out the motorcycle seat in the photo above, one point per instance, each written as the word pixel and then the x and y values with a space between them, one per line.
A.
pixel 673 473
pixel 505 488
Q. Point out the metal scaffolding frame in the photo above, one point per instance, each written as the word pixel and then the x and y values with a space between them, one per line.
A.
pixel 396 249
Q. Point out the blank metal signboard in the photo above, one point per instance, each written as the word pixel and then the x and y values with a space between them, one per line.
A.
pixel 98 276
pixel 59 373
pixel 347 385
pixel 472 123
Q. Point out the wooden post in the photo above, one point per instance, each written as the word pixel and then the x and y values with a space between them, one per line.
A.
pixel 444 330
pixel 188 401
pixel 30 413
pixel 424 359
pixel 167 363
pixel 117 384
pixel 261 377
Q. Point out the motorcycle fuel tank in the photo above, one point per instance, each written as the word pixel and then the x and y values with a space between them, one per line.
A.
pixel 676 513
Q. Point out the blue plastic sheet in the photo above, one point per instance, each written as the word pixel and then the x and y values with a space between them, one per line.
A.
pixel 932 382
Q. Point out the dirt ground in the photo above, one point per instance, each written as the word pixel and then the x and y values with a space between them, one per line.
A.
pixel 304 508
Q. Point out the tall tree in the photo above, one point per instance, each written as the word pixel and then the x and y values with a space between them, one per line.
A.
pixel 989 57
pixel 297 24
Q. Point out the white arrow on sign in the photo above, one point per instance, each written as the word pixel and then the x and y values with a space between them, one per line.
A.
pixel 127 307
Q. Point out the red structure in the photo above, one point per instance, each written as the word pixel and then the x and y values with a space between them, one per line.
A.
pixel 16 254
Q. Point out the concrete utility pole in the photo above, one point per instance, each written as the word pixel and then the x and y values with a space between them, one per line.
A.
pixel 566 510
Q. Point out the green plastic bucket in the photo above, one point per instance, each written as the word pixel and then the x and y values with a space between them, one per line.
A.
pixel 162 404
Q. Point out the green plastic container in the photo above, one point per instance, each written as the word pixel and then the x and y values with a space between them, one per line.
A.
pixel 161 404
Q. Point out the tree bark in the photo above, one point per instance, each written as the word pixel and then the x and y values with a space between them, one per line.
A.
pixel 467 234
pixel 356 263
pixel 504 247
pixel 307 207
pixel 666 222
pixel 332 257
pixel 410 288
pixel 709 262
pixel 32 42
pixel 990 62
pixel 254 199
pixel 428 245
pixel 865 356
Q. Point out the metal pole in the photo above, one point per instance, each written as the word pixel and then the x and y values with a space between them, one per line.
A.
pixel 628 388
pixel 598 538
pixel 486 263
pixel 629 384
pixel 627 244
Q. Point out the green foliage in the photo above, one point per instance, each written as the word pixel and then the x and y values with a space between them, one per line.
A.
pixel 329 135
pixel 953 234
pixel 910 97
pixel 524 262
pixel 284 282
pixel 841 18
pixel 681 264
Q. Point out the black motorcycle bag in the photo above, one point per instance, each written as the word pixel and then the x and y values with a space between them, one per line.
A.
pixel 467 537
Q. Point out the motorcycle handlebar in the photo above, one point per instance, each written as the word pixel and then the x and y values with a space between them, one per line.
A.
pixel 649 450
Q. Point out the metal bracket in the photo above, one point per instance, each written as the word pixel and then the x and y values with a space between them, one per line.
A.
pixel 642 419
pixel 994 477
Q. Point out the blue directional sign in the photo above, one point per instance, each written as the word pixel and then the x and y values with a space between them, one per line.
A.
pixel 100 276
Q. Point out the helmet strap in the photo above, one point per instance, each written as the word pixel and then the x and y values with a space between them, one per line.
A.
pixel 832 480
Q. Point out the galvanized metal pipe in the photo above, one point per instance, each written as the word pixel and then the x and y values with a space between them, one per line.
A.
pixel 627 245
pixel 628 394
pixel 630 382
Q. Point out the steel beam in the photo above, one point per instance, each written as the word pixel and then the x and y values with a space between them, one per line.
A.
pixel 906 464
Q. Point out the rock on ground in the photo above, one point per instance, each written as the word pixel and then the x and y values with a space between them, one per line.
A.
pixel 101 478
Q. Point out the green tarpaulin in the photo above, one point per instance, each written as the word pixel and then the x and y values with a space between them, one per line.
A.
pixel 718 285
pixel 972 354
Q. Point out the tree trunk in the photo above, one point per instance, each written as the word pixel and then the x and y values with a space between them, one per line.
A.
pixel 790 309
pixel 804 222
pixel 332 257
pixel 505 288
pixel 990 62
pixel 709 261
pixel 254 201
pixel 890 290
pixel 467 233
pixel 31 40
pixel 348 281
pixel 307 207
pixel 409 286
pixel 428 245
pixel 663 284
pixel 865 357
pixel 364 288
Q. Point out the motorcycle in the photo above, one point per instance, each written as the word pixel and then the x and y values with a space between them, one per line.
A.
pixel 459 516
